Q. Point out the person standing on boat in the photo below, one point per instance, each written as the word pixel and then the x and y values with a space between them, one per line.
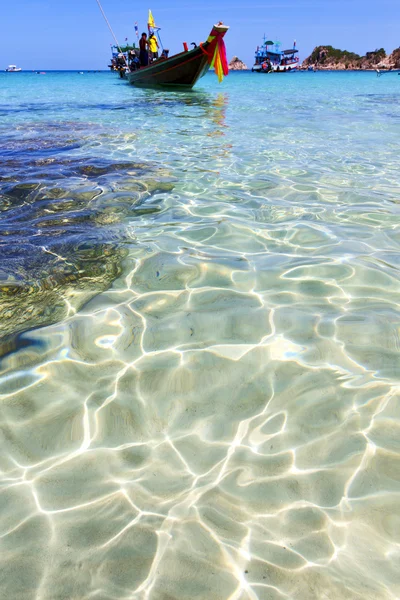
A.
pixel 143 54
pixel 134 62
pixel 153 47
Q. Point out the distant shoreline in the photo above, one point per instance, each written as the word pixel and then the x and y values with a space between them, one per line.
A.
pixel 341 70
pixel 300 70
pixel 326 70
pixel 334 59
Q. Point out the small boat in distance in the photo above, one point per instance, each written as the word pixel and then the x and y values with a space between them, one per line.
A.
pixel 13 69
pixel 269 58
pixel 183 70
pixel 120 56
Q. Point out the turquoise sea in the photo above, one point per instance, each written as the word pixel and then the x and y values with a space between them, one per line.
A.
pixel 200 338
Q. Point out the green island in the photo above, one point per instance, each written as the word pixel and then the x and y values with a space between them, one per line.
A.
pixel 328 57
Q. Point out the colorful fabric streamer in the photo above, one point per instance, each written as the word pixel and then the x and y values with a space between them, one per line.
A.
pixel 216 53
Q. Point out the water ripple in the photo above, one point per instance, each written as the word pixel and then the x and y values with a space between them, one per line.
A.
pixel 200 372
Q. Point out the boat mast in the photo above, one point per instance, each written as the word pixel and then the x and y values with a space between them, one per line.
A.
pixel 110 28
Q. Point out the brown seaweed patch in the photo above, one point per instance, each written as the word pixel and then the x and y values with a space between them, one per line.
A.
pixel 22 191
pixel 96 170
pixel 61 285
pixel 62 238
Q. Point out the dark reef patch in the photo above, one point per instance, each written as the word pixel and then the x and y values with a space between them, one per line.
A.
pixel 62 231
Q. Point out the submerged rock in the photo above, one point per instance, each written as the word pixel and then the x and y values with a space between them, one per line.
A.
pixel 62 243
pixel 53 287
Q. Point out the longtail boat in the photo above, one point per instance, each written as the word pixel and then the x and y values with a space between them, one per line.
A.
pixel 183 70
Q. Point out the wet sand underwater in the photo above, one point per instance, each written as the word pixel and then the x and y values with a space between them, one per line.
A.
pixel 199 338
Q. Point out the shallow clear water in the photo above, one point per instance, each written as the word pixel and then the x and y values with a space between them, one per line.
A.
pixel 200 338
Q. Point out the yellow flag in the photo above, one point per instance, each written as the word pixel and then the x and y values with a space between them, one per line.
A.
pixel 150 22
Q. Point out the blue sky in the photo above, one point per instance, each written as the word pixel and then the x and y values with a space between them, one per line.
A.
pixel 60 34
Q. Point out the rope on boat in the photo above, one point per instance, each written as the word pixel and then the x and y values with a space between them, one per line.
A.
pixel 159 39
pixel 111 30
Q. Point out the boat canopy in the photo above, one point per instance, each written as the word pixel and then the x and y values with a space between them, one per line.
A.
pixel 124 48
pixel 292 51
pixel 269 43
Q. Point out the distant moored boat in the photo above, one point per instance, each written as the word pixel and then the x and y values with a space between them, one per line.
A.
pixel 13 69
pixel 275 60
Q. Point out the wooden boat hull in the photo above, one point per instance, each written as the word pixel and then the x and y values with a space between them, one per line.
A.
pixel 180 71
pixel 291 68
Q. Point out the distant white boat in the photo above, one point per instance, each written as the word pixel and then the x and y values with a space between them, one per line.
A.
pixel 13 69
